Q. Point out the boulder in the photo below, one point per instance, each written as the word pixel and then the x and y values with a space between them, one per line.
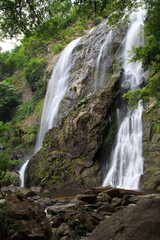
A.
pixel 22 219
pixel 140 222
pixel 88 198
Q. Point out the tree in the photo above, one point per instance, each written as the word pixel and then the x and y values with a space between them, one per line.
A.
pixel 8 101
pixel 7 139
pixel 34 72
pixel 25 16
pixel 114 9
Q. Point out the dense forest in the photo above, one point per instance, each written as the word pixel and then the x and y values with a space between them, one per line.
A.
pixel 45 27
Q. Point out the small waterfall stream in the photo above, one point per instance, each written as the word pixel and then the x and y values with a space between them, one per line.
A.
pixel 126 158
pixel 56 90
pixel 100 77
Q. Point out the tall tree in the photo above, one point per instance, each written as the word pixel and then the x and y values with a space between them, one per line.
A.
pixel 24 16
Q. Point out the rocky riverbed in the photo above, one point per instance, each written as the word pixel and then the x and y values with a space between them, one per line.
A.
pixel 94 214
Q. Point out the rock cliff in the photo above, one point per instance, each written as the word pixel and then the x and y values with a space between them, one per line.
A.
pixel 151 150
pixel 72 154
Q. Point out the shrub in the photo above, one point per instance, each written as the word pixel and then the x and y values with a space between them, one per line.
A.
pixel 34 72
pixel 9 100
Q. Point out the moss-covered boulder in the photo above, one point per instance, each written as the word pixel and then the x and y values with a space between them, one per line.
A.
pixel 22 219
pixel 71 155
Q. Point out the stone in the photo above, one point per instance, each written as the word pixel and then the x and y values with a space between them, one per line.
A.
pixel 44 202
pixel 116 202
pixel 38 189
pixel 53 210
pixel 140 222
pixel 78 203
pixel 57 220
pixel 106 209
pixel 104 198
pixel 88 198
pixel 2 201
pixel 22 219
pixel 97 216
pixel 64 232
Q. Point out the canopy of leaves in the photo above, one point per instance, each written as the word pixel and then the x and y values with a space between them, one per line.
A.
pixel 114 9
pixel 25 16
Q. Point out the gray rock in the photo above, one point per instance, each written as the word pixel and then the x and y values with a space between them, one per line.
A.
pixel 140 222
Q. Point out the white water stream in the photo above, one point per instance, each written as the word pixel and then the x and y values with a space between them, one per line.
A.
pixel 100 77
pixel 126 158
pixel 56 90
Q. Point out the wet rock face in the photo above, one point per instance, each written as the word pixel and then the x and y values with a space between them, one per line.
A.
pixel 84 59
pixel 22 219
pixel 70 155
pixel 151 140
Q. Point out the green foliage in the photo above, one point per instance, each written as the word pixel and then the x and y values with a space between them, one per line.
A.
pixel 9 134
pixel 9 100
pixel 77 227
pixel 18 60
pixel 27 108
pixel 56 48
pixel 7 220
pixel 10 178
pixel 6 67
pixel 33 46
pixel 30 135
pixel 34 72
pixel 98 20
pixel 9 139
pixel 6 162
pixel 115 9
pixel 79 47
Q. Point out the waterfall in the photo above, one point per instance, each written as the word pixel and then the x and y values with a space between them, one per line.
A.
pixel 22 172
pixel 126 158
pixel 100 76
pixel 56 90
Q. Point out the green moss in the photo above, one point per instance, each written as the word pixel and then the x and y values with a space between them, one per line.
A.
pixel 79 47
pixel 10 178
pixel 74 70
pixel 77 227
pixel 111 132
pixel 81 106
pixel 8 221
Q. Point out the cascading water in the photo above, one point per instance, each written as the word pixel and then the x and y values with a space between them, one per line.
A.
pixel 22 172
pixel 56 90
pixel 126 158
pixel 100 78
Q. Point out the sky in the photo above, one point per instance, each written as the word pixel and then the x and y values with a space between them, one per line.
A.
pixel 8 45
